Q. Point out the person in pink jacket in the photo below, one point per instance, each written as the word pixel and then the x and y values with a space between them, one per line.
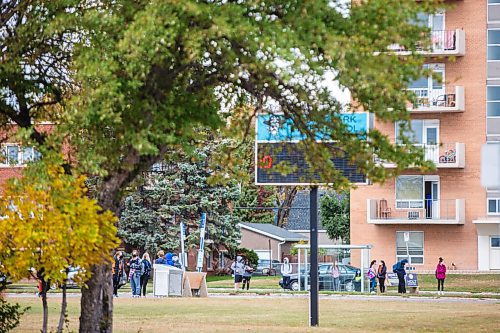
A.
pixel 441 275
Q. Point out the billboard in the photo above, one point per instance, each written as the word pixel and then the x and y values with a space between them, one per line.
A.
pixel 277 143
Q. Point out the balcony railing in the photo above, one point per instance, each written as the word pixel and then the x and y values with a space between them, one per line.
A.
pixel 431 100
pixel 424 211
pixel 446 155
pixel 442 43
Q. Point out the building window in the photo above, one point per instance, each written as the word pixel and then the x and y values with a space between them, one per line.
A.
pixel 493 11
pixel 413 250
pixel 495 241
pixel 429 89
pixel 409 192
pixel 493 45
pixel 222 262
pixel 494 206
pixel 13 154
pixel 493 101
pixel 209 260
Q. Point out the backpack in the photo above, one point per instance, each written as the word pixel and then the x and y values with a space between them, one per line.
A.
pixel 147 267
pixel 395 268
pixel 370 274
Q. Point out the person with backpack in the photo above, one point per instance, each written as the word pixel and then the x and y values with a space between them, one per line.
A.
pixel 146 261
pixel 399 269
pixel 136 270
pixel 247 274
pixel 440 275
pixel 382 272
pixel 372 275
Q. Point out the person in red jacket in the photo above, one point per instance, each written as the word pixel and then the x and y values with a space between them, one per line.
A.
pixel 441 275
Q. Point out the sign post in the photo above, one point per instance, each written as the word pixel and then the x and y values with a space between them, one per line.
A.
pixel 183 253
pixel 407 239
pixel 276 143
pixel 313 240
pixel 201 251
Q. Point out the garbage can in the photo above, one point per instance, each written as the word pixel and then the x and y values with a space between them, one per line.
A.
pixel 167 280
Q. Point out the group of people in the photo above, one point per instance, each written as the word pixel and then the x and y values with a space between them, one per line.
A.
pixel 137 270
pixel 242 271
pixel 380 272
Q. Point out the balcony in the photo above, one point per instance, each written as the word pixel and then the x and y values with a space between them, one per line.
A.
pixel 416 211
pixel 438 101
pixel 443 43
pixel 444 156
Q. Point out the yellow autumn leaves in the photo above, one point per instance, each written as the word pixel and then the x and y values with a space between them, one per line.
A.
pixel 50 223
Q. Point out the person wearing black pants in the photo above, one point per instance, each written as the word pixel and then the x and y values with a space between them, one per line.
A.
pixel 147 271
pixel 382 271
pixel 117 271
pixel 400 271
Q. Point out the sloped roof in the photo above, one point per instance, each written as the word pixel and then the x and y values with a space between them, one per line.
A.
pixel 273 231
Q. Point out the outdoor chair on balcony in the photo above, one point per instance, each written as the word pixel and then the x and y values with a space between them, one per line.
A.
pixel 384 211
pixel 447 100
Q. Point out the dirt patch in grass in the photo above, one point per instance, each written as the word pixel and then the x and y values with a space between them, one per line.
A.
pixel 279 315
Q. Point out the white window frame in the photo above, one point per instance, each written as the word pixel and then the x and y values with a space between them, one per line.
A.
pixel 495 196
pixel 410 201
pixel 487 100
pixel 491 238
pixel 487 48
pixel 209 260
pixel 21 161
pixel 400 257
pixel 488 12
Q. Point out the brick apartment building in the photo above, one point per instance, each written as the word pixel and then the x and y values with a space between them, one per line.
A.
pixel 445 213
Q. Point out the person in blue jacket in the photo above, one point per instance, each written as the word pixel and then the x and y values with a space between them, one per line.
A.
pixel 399 269
pixel 170 260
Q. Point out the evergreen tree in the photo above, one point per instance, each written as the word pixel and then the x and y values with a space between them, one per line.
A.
pixel 151 217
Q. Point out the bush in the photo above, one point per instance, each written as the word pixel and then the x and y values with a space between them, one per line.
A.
pixel 249 254
pixel 10 314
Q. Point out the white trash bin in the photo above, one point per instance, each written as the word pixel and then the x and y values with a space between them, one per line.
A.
pixel 167 280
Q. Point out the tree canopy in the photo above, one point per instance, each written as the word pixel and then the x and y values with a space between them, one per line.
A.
pixel 128 79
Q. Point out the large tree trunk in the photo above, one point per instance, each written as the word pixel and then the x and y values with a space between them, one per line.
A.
pixel 97 302
pixel 96 313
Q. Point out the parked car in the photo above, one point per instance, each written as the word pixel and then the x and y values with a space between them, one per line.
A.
pixel 347 274
pixel 266 267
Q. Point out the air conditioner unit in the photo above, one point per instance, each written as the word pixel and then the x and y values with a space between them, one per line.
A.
pixel 413 215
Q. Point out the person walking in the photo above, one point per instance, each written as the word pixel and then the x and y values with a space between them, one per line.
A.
pixel 136 269
pixel 441 275
pixel 372 275
pixel 382 272
pixel 335 276
pixel 399 269
pixel 247 274
pixel 146 261
pixel 286 271
pixel 117 271
pixel 238 267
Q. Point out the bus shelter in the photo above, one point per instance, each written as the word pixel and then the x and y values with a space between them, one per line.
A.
pixel 339 253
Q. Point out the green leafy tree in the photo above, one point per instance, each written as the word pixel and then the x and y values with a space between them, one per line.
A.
pixel 151 218
pixel 335 217
pixel 148 71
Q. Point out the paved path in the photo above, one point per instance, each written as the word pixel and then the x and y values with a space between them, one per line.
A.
pixel 335 297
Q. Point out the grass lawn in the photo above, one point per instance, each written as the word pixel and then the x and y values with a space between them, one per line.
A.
pixel 278 315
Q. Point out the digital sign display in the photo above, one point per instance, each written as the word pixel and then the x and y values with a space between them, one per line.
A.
pixel 277 144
